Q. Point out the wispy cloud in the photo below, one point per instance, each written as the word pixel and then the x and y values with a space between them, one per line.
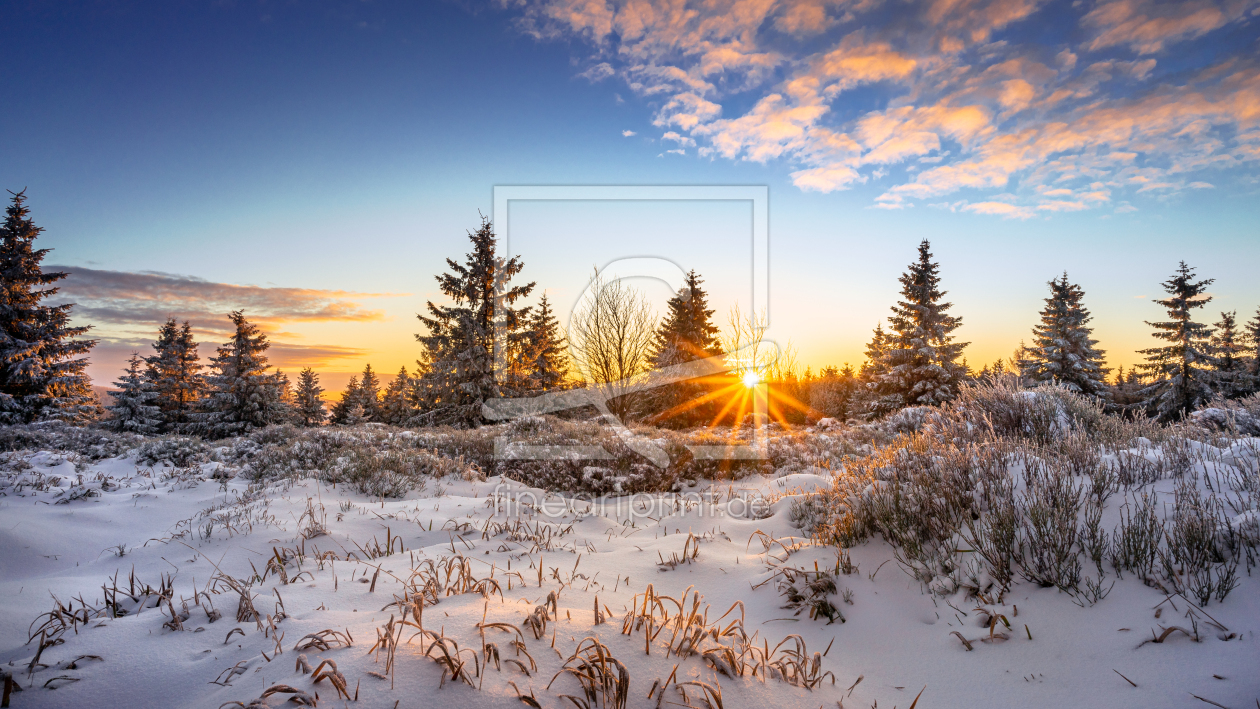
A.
pixel 962 102
pixel 126 309
pixel 149 297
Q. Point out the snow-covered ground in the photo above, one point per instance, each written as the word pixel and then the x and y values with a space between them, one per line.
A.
pixel 896 640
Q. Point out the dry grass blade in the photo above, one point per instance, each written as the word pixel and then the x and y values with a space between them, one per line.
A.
pixel 324 640
pixel 327 670
pixel 604 678
pixel 712 695
pixel 528 699
pixel 298 696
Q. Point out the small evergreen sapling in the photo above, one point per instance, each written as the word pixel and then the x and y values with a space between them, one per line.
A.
pixel 133 409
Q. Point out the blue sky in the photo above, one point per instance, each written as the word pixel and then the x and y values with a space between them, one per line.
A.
pixel 316 163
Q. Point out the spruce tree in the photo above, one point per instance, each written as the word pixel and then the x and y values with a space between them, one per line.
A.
pixel 174 372
pixel 420 394
pixel 876 351
pixel 370 395
pixel 685 334
pixel 874 367
pixel 286 410
pixel 241 394
pixel 307 400
pixel 920 364
pixel 1231 379
pixel 133 409
pixel 1253 339
pixel 1181 371
pixel 396 409
pixel 42 372
pixel 1062 351
pixel 349 400
pixel 546 364
pixel 460 339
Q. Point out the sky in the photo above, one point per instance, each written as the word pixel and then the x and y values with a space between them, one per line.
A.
pixel 315 163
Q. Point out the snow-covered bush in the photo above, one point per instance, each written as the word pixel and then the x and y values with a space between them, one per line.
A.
pixel 1240 415
pixel 179 451
pixel 1020 482
pixel 90 442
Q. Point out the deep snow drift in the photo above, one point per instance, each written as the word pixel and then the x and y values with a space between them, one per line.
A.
pixel 501 584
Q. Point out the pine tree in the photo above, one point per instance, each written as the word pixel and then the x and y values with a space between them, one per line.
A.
pixel 349 400
pixel 686 334
pixel 174 372
pixel 921 366
pixel 396 409
pixel 876 352
pixel 869 374
pixel 1231 379
pixel 41 372
pixel 546 364
pixel 307 401
pixel 286 411
pixel 460 340
pixel 370 395
pixel 1253 338
pixel 1182 378
pixel 1062 351
pixel 241 394
pixel 133 409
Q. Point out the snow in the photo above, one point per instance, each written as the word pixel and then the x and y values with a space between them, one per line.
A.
pixel 897 638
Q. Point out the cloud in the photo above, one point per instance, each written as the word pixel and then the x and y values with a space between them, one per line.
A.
pixel 599 72
pixel 682 140
pixel 1149 26
pixel 149 297
pixel 126 309
pixel 952 91
pixel 804 18
pixel 628 133
pixel 1001 209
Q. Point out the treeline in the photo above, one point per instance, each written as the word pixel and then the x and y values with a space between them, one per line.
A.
pixel 486 344
pixel 917 362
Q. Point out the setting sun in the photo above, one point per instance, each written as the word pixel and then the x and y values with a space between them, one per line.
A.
pixel 751 379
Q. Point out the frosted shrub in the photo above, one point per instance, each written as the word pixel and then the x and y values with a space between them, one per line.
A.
pixel 1197 560
pixel 179 451
pixel 1051 506
pixel 89 442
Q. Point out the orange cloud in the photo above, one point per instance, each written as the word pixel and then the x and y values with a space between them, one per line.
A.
pixel 1147 26
pixel 963 106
